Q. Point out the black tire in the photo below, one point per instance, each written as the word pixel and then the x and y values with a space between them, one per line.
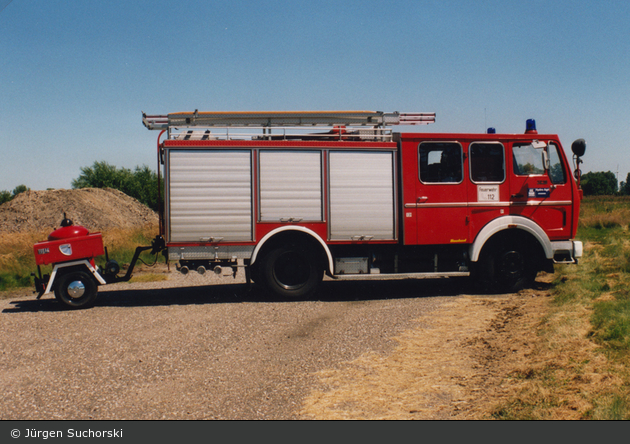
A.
pixel 506 268
pixel 76 289
pixel 291 272
pixel 254 273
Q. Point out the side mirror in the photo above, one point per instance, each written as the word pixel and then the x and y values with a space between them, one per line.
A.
pixel 579 147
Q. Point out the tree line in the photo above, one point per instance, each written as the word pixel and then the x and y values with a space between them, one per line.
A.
pixel 600 183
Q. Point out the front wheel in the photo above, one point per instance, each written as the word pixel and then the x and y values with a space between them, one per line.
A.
pixel 506 268
pixel 76 289
pixel 291 272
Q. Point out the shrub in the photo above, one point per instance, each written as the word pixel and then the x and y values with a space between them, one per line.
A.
pixel 5 196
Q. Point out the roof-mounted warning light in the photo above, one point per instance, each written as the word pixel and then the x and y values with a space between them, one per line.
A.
pixel 492 131
pixel 530 127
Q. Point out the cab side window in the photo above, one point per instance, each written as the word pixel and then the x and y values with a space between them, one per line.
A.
pixel 440 162
pixel 487 162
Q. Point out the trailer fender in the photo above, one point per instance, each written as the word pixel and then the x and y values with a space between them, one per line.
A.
pixel 84 262
pixel 293 228
pixel 509 222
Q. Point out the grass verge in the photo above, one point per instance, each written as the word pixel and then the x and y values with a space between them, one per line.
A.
pixel 579 369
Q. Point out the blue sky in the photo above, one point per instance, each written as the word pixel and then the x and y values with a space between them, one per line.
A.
pixel 76 75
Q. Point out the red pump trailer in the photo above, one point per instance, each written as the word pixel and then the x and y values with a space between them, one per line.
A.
pixel 289 196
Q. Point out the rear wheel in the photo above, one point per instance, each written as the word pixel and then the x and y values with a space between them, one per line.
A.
pixel 76 289
pixel 291 271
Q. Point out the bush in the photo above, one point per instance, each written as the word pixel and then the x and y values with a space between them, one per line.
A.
pixel 5 196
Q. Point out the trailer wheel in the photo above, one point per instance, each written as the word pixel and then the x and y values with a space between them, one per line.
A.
pixel 76 289
pixel 506 268
pixel 291 271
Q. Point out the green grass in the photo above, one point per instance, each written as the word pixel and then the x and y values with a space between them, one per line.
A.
pixel 14 280
pixel 611 323
pixel 611 407
pixel 586 334
pixel 605 230
pixel 17 260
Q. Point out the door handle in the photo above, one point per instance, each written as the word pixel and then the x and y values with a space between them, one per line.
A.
pixel 422 199
pixel 210 239
pixel 362 238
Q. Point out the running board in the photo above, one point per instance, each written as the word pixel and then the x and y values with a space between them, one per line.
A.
pixel 384 276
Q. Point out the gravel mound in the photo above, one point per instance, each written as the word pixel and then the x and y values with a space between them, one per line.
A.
pixel 97 209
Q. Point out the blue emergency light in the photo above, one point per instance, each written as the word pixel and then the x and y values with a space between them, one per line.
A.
pixel 530 126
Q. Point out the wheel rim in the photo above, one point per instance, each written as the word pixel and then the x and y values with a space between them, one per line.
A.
pixel 76 289
pixel 512 265
pixel 291 270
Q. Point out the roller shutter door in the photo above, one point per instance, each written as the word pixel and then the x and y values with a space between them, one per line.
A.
pixel 210 195
pixel 290 186
pixel 362 195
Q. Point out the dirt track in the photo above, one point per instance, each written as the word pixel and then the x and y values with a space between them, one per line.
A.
pixel 380 350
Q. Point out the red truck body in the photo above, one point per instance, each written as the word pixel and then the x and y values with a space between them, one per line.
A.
pixel 357 201
pixel 289 196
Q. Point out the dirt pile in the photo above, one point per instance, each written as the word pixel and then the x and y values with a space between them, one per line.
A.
pixel 94 208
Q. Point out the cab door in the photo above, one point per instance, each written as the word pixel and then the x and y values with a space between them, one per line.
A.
pixel 441 197
pixel 540 188
pixel 489 191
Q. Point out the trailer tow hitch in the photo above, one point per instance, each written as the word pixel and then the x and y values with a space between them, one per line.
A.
pixel 157 245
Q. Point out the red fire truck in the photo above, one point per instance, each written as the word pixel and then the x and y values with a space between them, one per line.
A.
pixel 291 196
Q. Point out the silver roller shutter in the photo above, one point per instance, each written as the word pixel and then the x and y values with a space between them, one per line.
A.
pixel 362 195
pixel 290 186
pixel 210 195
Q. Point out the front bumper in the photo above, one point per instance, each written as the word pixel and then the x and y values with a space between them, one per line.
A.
pixel 567 252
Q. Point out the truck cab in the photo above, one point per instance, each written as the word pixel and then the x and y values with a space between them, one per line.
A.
pixel 509 199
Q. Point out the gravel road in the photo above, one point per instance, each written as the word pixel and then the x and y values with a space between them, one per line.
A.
pixel 183 349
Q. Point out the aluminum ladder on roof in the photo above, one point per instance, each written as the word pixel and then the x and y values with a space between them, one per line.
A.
pixel 284 118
